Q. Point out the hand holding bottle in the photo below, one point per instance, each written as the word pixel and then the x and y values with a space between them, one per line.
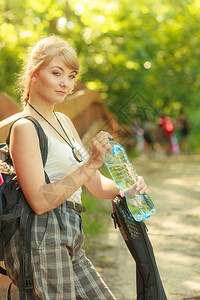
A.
pixel 140 187
pixel 100 145
pixel 128 181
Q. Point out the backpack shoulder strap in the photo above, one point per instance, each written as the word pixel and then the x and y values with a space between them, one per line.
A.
pixel 43 140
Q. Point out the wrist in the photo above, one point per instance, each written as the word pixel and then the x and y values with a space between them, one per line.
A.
pixel 91 167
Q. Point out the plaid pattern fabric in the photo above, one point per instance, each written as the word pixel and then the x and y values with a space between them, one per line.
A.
pixel 61 270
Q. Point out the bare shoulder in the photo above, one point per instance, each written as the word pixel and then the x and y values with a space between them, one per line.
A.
pixel 23 129
pixel 22 122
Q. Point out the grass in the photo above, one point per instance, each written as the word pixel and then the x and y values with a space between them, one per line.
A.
pixel 95 220
pixel 97 217
pixel 97 211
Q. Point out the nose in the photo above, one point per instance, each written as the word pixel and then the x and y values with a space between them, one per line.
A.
pixel 65 82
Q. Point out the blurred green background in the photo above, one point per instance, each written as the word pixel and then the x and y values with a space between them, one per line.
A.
pixel 127 49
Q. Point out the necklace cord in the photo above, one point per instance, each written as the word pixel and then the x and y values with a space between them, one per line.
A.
pixel 63 129
pixel 69 143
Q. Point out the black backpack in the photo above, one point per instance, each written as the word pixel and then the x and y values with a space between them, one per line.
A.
pixel 15 212
pixel 149 284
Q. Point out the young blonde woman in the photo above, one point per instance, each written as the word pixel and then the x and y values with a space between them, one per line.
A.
pixel 58 262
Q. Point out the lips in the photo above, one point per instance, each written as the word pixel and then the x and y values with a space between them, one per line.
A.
pixel 62 93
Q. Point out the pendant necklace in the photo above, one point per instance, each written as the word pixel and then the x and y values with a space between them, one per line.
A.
pixel 76 153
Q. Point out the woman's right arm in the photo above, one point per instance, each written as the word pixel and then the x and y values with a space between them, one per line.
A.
pixel 26 155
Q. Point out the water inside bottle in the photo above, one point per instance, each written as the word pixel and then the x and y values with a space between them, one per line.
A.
pixel 141 206
pixel 136 212
pixel 125 177
pixel 119 174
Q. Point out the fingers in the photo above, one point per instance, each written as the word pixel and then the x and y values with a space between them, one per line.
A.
pixel 103 137
pixel 100 144
pixel 141 186
pixel 101 141
pixel 121 194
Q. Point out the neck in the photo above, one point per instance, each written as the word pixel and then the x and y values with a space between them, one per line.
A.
pixel 44 108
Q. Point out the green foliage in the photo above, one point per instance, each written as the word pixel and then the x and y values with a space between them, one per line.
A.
pixel 194 138
pixel 136 53
pixel 95 219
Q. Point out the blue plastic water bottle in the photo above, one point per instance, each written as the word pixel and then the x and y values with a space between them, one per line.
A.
pixel 125 177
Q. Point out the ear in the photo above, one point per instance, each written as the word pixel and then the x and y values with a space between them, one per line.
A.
pixel 33 78
pixel 32 74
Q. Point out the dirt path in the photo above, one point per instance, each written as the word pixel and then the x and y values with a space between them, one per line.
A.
pixel 174 231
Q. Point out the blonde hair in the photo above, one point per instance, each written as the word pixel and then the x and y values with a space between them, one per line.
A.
pixel 39 56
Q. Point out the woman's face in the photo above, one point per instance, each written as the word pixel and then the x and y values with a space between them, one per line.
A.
pixel 54 82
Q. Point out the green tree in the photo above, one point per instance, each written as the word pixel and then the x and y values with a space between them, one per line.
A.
pixel 141 55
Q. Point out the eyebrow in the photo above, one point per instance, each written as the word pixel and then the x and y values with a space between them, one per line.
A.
pixel 63 69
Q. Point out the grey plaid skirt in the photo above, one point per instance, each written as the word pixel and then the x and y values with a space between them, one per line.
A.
pixel 60 268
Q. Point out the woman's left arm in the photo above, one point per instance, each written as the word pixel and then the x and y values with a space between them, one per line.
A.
pixel 101 186
pixel 105 188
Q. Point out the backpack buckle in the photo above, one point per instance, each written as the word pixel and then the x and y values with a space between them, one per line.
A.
pixel 28 284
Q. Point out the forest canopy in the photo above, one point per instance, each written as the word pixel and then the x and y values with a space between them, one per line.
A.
pixel 145 52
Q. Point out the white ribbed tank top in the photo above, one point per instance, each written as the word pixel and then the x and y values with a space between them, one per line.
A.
pixel 61 162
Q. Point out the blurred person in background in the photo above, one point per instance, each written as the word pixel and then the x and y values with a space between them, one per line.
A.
pixel 138 132
pixel 149 135
pixel 167 129
pixel 183 127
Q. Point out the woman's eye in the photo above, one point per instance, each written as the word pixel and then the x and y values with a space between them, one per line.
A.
pixel 72 76
pixel 56 73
